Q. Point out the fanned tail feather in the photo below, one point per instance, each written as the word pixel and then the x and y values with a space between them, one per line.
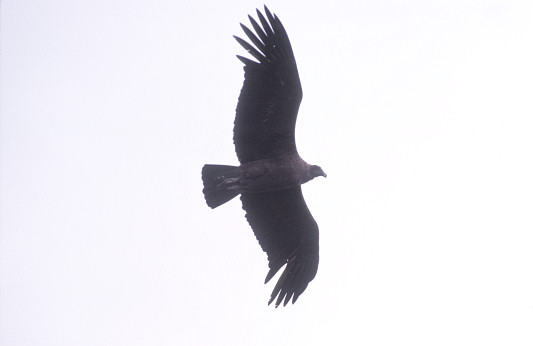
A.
pixel 212 176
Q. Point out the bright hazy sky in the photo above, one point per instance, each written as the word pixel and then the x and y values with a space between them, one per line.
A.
pixel 419 111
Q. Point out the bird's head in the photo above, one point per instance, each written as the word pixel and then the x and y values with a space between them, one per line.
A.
pixel 316 171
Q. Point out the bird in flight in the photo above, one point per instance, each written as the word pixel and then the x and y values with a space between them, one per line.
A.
pixel 271 172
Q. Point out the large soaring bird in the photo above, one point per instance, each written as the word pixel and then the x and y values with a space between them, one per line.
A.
pixel 271 173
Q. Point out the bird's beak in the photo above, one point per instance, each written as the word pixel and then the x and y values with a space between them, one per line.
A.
pixel 324 174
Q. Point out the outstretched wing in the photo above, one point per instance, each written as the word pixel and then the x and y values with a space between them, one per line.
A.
pixel 288 234
pixel 271 94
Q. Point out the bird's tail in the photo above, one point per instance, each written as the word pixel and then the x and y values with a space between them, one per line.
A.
pixel 216 178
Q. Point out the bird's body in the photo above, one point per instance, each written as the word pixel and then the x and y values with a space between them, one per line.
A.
pixel 267 175
pixel 271 172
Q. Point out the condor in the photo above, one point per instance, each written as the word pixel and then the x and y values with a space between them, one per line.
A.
pixel 271 173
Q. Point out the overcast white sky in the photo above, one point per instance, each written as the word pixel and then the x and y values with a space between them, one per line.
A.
pixel 419 111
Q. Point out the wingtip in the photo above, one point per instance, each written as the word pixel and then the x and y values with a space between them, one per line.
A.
pixel 259 14
pixel 285 300
pixel 269 14
pixel 270 275
pixel 245 61
pixel 250 18
pixel 276 305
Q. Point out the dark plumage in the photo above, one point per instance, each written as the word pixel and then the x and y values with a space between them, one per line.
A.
pixel 271 173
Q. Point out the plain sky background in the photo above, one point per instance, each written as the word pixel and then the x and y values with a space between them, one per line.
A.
pixel 419 111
